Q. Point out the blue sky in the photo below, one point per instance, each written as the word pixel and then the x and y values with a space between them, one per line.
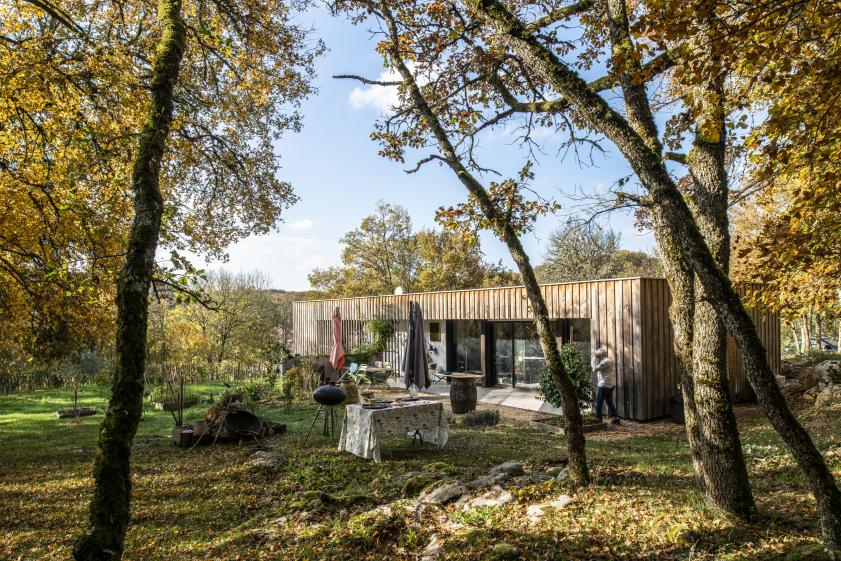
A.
pixel 335 170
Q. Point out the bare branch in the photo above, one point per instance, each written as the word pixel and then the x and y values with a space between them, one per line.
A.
pixel 426 160
pixel 366 80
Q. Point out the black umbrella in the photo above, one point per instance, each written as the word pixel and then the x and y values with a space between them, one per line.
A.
pixel 415 368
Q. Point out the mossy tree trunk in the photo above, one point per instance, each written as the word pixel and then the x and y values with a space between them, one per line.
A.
pixel 110 510
pixel 700 338
pixel 678 226
pixel 726 482
pixel 579 472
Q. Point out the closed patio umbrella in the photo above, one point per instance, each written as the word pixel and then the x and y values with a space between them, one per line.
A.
pixel 337 355
pixel 415 368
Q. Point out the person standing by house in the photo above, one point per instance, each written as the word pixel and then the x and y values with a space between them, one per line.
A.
pixel 605 382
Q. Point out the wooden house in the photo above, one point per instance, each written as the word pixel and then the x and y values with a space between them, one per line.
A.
pixel 490 331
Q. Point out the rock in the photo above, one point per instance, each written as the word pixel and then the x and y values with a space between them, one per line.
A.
pixel 541 477
pixel 494 497
pixel 443 467
pixel 432 549
pixel 537 511
pixel 828 369
pixel 793 386
pixel 563 474
pixel 504 551
pixel 444 493
pixel 554 470
pixel 830 395
pixel 266 460
pixel 418 482
pixel 511 467
pixel 487 480
pixel 808 379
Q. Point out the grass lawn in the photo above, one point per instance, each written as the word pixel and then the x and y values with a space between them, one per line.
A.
pixel 210 503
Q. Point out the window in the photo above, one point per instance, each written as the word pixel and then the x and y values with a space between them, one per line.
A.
pixel 434 332
pixel 579 334
pixel 468 349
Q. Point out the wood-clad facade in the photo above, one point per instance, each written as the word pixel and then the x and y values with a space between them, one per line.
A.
pixel 627 316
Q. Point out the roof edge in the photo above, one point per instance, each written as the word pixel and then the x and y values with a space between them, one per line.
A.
pixel 347 298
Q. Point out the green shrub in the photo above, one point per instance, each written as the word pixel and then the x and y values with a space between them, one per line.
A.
pixel 271 380
pixel 361 354
pixel 381 330
pixel 482 418
pixel 578 372
pixel 161 394
pixel 298 382
pixel 254 390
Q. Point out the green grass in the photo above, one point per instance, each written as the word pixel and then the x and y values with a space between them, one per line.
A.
pixel 209 503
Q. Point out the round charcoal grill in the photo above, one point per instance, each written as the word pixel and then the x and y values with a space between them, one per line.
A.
pixel 327 397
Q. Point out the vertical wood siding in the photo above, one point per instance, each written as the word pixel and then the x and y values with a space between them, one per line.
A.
pixel 627 316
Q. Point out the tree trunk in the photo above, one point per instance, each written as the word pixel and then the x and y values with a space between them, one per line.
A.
pixel 700 340
pixel 672 213
pixel 549 344
pixel 795 336
pixel 807 334
pixel 110 507
pixel 818 332
pixel 725 472
pixel 680 278
pixel 579 472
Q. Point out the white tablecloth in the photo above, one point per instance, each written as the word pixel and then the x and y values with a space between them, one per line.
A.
pixel 363 428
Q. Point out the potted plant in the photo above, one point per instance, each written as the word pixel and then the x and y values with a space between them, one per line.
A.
pixel 381 330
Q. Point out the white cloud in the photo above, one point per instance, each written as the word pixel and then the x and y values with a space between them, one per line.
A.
pixel 382 98
pixel 304 224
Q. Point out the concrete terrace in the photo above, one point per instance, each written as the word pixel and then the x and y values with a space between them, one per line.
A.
pixel 527 399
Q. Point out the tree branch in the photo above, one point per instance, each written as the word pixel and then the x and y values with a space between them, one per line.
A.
pixel 366 80
pixel 559 15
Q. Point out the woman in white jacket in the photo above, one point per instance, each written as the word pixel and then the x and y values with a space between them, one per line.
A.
pixel 605 382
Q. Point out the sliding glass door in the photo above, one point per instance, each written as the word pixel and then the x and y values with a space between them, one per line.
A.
pixel 518 356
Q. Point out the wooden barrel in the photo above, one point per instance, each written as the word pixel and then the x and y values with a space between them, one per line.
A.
pixel 463 394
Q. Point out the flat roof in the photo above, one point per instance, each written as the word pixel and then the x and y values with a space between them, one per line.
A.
pixel 472 289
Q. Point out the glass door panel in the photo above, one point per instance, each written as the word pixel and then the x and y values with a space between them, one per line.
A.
pixel 528 356
pixel 503 353
pixel 468 352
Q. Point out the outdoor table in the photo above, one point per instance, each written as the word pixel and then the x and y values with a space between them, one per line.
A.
pixel 378 369
pixel 363 428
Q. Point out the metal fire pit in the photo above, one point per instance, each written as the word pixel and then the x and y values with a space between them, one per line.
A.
pixel 242 424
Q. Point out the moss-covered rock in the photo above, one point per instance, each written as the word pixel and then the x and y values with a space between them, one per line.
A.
pixel 417 483
pixel 504 551
pixel 443 467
